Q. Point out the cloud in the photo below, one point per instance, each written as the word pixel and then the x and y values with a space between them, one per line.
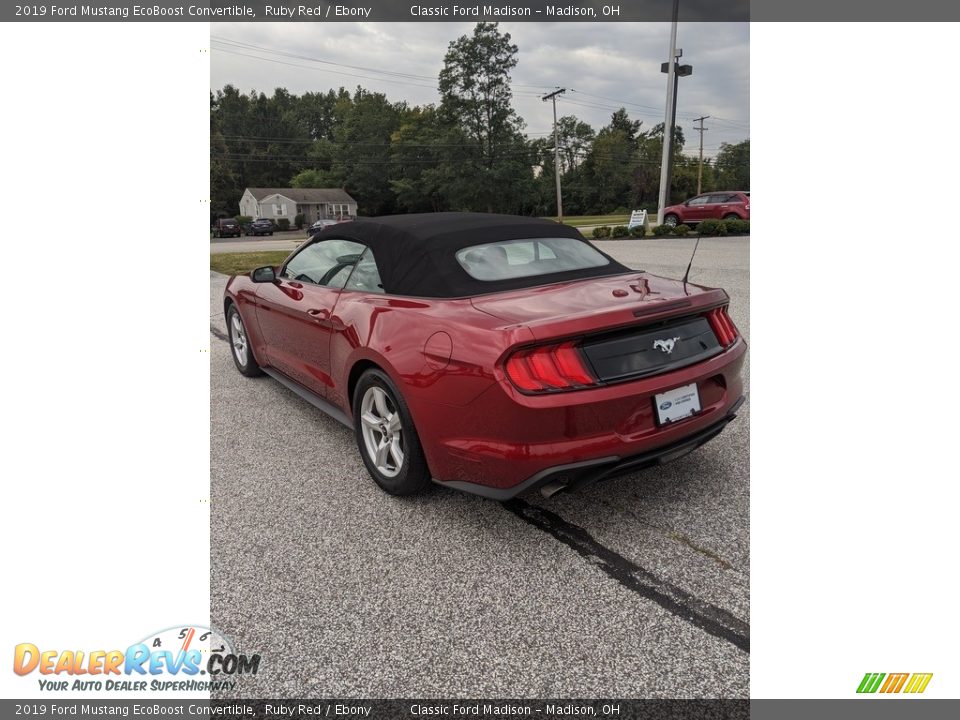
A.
pixel 603 65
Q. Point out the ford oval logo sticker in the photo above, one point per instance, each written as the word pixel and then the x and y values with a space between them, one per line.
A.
pixel 666 405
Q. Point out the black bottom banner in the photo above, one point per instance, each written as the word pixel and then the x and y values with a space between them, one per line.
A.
pixel 853 709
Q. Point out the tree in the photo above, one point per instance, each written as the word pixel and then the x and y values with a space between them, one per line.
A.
pixel 607 172
pixel 645 187
pixel 621 121
pixel 426 153
pixel 224 189
pixel 496 165
pixel 575 137
pixel 361 150
pixel 733 166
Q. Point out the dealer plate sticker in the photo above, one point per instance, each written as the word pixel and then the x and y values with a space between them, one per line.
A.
pixel 677 404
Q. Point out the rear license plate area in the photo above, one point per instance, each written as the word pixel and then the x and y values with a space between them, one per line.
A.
pixel 677 404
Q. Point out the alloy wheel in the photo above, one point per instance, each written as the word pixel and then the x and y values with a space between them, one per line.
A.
pixel 382 431
pixel 238 339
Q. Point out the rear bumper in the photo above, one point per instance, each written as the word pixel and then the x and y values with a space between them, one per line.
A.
pixel 505 442
pixel 576 476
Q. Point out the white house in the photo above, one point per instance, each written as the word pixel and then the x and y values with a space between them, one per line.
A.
pixel 314 203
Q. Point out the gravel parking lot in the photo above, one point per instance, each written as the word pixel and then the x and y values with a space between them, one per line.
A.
pixel 636 587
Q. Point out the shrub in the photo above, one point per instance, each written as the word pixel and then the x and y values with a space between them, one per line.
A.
pixel 621 211
pixel 603 231
pixel 638 231
pixel 681 230
pixel 283 224
pixel 661 230
pixel 619 231
pixel 738 227
pixel 708 227
pixel 299 220
pixel 243 219
pixel 722 228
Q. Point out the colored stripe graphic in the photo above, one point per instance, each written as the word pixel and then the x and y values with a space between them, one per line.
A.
pixel 918 682
pixel 870 682
pixel 894 682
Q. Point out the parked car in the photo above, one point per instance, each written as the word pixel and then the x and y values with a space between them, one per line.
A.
pixel 323 223
pixel 716 205
pixel 259 227
pixel 226 227
pixel 489 353
pixel 320 225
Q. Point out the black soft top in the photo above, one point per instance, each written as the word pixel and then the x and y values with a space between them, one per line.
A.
pixel 415 254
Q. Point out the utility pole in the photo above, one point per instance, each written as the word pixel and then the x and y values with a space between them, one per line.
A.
pixel 667 127
pixel 556 148
pixel 701 130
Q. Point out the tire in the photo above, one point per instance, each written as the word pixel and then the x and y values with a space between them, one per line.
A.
pixel 386 437
pixel 240 347
pixel 731 216
pixel 671 220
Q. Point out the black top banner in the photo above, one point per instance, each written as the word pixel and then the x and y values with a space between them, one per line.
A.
pixel 427 11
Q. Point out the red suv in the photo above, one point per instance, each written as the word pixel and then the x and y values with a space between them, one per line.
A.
pixel 724 205
pixel 226 227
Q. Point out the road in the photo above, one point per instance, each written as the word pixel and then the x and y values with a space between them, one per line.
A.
pixel 637 587
pixel 258 243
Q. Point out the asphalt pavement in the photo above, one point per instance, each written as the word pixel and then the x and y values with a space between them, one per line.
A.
pixel 288 241
pixel 636 587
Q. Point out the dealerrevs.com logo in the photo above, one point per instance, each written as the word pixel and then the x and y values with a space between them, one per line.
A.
pixel 182 659
pixel 911 683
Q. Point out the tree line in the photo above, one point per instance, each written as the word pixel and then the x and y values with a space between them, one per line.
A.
pixel 468 152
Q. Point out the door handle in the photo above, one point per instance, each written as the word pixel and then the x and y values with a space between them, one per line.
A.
pixel 318 313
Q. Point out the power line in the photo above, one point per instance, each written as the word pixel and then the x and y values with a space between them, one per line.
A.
pixel 391 75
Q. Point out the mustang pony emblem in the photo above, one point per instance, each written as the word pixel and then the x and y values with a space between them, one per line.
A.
pixel 665 345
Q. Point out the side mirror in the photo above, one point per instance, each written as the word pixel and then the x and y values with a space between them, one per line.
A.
pixel 264 275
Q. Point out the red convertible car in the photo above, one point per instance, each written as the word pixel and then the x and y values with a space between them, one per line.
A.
pixel 490 353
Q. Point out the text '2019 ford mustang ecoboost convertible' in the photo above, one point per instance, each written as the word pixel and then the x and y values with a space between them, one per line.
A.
pixel 490 353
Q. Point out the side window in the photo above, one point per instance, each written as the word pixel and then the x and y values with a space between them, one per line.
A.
pixel 365 277
pixel 702 200
pixel 326 263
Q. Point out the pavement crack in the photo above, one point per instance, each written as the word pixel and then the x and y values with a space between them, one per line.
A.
pixel 706 552
pixel 709 618
pixel 672 534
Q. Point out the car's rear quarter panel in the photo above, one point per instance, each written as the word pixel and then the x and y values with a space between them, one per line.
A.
pixel 393 334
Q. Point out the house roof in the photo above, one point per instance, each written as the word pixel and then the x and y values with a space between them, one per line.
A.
pixel 304 195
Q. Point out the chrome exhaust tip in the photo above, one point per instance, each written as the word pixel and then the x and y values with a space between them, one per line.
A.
pixel 553 487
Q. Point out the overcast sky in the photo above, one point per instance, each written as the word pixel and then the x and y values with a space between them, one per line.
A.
pixel 607 64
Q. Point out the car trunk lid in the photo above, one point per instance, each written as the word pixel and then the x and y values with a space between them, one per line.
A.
pixel 624 327
pixel 600 304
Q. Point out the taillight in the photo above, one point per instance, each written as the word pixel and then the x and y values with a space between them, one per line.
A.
pixel 549 368
pixel 723 326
